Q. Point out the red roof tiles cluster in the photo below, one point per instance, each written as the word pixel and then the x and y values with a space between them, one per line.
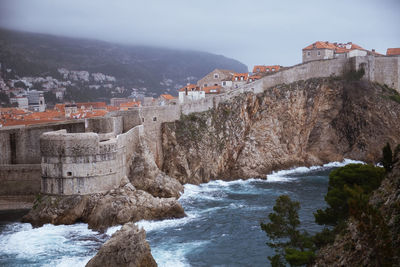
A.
pixel 190 87
pixel 339 48
pixel 128 105
pixel 215 89
pixel 240 77
pixel 16 116
pixel 393 52
pixel 168 97
pixel 262 68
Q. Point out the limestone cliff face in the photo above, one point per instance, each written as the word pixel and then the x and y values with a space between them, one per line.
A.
pixel 303 123
pixel 145 175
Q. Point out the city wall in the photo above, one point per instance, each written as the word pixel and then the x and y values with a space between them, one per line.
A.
pixel 83 163
pixel 93 154
pixel 20 144
pixel 20 179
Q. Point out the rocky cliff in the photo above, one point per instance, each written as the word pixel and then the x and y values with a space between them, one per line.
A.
pixel 102 210
pixel 127 247
pixel 371 239
pixel 303 123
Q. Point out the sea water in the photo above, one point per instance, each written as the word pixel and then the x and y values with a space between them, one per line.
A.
pixel 222 227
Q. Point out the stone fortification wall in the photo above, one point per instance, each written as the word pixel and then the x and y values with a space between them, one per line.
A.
pixel 387 71
pixel 152 118
pixel 314 69
pixel 20 144
pixel 20 179
pixel 127 144
pixel 128 119
pixel 383 69
pixel 80 163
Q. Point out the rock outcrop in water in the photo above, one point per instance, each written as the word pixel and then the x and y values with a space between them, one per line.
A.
pixel 304 123
pixel 375 239
pixel 127 247
pixel 101 210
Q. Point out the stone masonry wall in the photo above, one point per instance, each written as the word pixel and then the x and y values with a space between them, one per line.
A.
pixel 20 179
pixel 78 163
pixel 81 163
pixel 20 144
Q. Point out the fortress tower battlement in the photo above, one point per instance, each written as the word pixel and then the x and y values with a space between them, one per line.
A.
pixel 78 163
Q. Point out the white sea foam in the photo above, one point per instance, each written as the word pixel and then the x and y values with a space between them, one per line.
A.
pixel 170 223
pixel 47 242
pixel 284 175
pixel 69 261
pixel 169 254
pixel 111 230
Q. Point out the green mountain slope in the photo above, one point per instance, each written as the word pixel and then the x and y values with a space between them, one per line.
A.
pixel 31 54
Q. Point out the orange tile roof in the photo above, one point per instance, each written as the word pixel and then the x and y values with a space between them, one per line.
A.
pixel 112 108
pixel 168 97
pixel 320 45
pixel 190 87
pixel 127 105
pixel 339 48
pixel 239 75
pixel 215 89
pixel 393 51
pixel 262 68
pixel 60 107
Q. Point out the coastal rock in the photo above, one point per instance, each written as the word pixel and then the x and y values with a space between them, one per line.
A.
pixel 145 175
pixel 102 210
pixel 304 123
pixel 127 247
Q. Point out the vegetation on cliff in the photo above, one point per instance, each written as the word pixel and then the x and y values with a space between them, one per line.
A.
pixel 348 193
pixel 290 244
pixel 362 219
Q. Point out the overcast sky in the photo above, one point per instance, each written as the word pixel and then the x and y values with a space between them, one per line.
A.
pixel 252 31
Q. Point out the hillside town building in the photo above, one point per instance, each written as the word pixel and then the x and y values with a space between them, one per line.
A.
pixel 190 92
pixel 326 50
pixel 217 77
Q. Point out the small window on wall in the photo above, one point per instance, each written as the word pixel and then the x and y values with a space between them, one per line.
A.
pixel 223 83
pixel 319 53
pixel 142 119
pixel 69 173
pixel 154 118
pixel 308 53
pixel 216 76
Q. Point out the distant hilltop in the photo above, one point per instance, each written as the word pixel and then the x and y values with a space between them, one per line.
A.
pixel 148 69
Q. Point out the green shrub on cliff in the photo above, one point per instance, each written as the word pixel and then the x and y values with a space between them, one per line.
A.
pixel 289 243
pixel 390 158
pixel 341 180
pixel 353 75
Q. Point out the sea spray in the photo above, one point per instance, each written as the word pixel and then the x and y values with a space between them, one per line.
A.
pixel 222 226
